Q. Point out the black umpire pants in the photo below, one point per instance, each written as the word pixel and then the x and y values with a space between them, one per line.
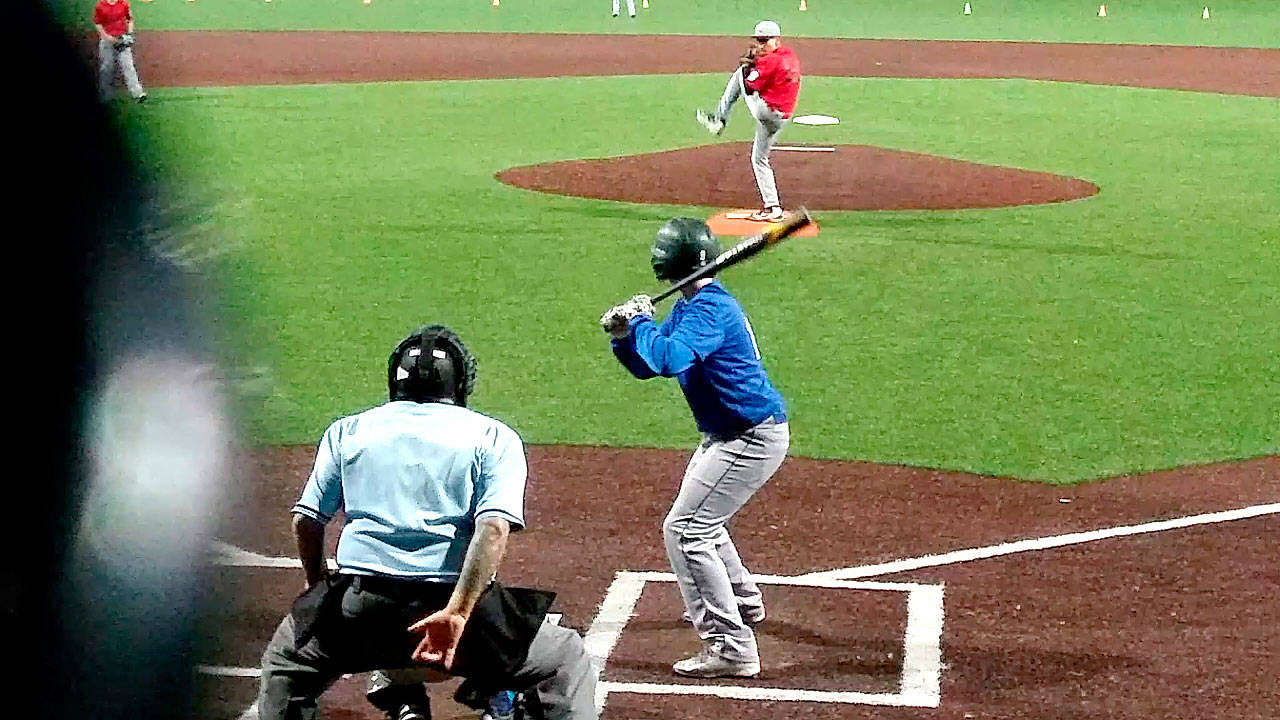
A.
pixel 361 625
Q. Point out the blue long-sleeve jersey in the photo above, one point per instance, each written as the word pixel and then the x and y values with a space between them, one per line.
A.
pixel 707 344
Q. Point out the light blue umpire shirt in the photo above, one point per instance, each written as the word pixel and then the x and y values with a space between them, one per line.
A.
pixel 413 479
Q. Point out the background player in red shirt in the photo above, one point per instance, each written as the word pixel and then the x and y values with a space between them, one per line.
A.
pixel 114 22
pixel 768 79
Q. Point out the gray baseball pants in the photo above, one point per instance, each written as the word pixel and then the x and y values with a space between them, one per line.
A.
pixel 769 124
pixel 557 676
pixel 108 58
pixel 716 587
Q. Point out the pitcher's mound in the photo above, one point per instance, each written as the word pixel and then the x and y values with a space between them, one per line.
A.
pixel 852 177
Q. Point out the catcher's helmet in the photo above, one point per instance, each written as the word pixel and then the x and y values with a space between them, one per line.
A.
pixel 431 364
pixel 682 246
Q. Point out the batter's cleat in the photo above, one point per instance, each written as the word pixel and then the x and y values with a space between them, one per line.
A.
pixel 711 664
pixel 141 98
pixel 713 124
pixel 769 214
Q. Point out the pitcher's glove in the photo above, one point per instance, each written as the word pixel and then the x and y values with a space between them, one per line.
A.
pixel 616 319
pixel 124 42
pixel 748 59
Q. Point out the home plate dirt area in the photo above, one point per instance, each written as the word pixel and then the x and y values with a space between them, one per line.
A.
pixel 892 592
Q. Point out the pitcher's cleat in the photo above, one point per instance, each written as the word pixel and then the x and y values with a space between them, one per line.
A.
pixel 769 214
pixel 713 124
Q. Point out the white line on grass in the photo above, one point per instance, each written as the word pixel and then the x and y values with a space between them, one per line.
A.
pixel 1010 548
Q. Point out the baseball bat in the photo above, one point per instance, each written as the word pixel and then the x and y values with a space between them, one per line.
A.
pixel 752 246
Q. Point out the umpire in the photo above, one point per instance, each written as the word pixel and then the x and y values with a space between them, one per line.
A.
pixel 431 491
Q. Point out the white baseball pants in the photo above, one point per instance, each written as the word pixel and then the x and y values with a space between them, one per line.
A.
pixel 769 124
pixel 108 58
pixel 716 587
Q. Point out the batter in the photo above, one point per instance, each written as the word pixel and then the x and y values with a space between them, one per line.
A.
pixel 707 344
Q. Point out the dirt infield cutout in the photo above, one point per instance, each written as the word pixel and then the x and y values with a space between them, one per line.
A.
pixel 852 177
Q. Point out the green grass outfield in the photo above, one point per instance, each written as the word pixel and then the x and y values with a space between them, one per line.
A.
pixel 1133 330
pixel 1252 23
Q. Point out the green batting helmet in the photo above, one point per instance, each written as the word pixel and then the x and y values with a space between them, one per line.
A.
pixel 682 246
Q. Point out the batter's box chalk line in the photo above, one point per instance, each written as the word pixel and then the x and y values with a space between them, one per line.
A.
pixel 922 663
pixel 918 686
pixel 1045 543
pixel 921 671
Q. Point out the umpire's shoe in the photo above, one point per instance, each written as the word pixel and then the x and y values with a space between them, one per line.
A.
pixel 711 664
pixel 411 711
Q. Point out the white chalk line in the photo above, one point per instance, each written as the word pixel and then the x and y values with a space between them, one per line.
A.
pixel 742 692
pixel 230 555
pixel 618 607
pixel 922 648
pixel 1020 546
pixel 921 675
pixel 803 148
pixel 229 671
pixel 919 684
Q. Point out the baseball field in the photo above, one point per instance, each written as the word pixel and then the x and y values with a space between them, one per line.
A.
pixel 1035 438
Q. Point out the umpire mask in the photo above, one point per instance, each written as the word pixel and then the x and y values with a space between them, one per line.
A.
pixel 432 364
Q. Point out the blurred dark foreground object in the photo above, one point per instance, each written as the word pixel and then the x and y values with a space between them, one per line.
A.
pixel 122 434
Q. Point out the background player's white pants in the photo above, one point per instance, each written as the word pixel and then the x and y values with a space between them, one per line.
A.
pixel 716 587
pixel 631 7
pixel 769 124
pixel 108 57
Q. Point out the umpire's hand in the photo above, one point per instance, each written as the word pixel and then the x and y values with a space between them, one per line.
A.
pixel 440 632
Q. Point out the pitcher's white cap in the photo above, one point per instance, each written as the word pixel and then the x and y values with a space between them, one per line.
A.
pixel 767 28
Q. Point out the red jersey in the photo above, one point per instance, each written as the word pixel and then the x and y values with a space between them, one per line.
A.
pixel 777 78
pixel 113 17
